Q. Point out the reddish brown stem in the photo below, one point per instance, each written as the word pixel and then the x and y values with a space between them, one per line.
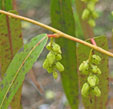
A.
pixel 58 33
pixel 53 35
pixel 93 41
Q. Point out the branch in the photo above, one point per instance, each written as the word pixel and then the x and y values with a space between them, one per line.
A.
pixel 58 32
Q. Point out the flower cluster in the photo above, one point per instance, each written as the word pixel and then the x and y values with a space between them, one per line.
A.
pixel 89 67
pixel 89 13
pixel 51 63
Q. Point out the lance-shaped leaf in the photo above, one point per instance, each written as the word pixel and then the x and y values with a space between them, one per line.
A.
pixel 20 65
pixel 10 33
pixel 6 5
pixel 92 102
pixel 10 39
pixel 17 42
pixel 10 42
pixel 63 19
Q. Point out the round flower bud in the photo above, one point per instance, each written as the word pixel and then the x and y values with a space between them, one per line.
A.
pixel 91 6
pixel 99 71
pixel 97 91
pixel 85 14
pixel 45 64
pixel 84 67
pixel 49 46
pixel 85 89
pixel 91 22
pixel 95 59
pixel 51 58
pixel 58 57
pixel 55 75
pixel 56 48
pixel 93 80
pixel 95 69
pixel 59 67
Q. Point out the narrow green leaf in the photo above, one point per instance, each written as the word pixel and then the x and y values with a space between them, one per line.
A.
pixel 82 54
pixel 0 4
pixel 62 18
pixel 79 31
pixel 10 42
pixel 20 65
pixel 13 40
pixel 10 39
pixel 17 42
pixel 6 5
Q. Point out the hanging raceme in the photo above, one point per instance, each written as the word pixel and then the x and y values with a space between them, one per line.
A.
pixel 51 63
pixel 89 67
pixel 89 13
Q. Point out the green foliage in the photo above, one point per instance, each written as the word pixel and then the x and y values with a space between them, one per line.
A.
pixel 10 39
pixel 6 5
pixel 85 89
pixel 79 32
pixel 20 65
pixel 93 102
pixel 10 42
pixel 95 59
pixel 84 67
pixel 51 63
pixel 89 68
pixel 62 18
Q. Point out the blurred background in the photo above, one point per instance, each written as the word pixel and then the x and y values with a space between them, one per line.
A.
pixel 40 90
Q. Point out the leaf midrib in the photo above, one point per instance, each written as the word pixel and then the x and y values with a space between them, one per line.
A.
pixel 19 70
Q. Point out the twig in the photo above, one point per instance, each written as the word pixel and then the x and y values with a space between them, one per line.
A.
pixel 93 41
pixel 58 32
pixel 53 35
